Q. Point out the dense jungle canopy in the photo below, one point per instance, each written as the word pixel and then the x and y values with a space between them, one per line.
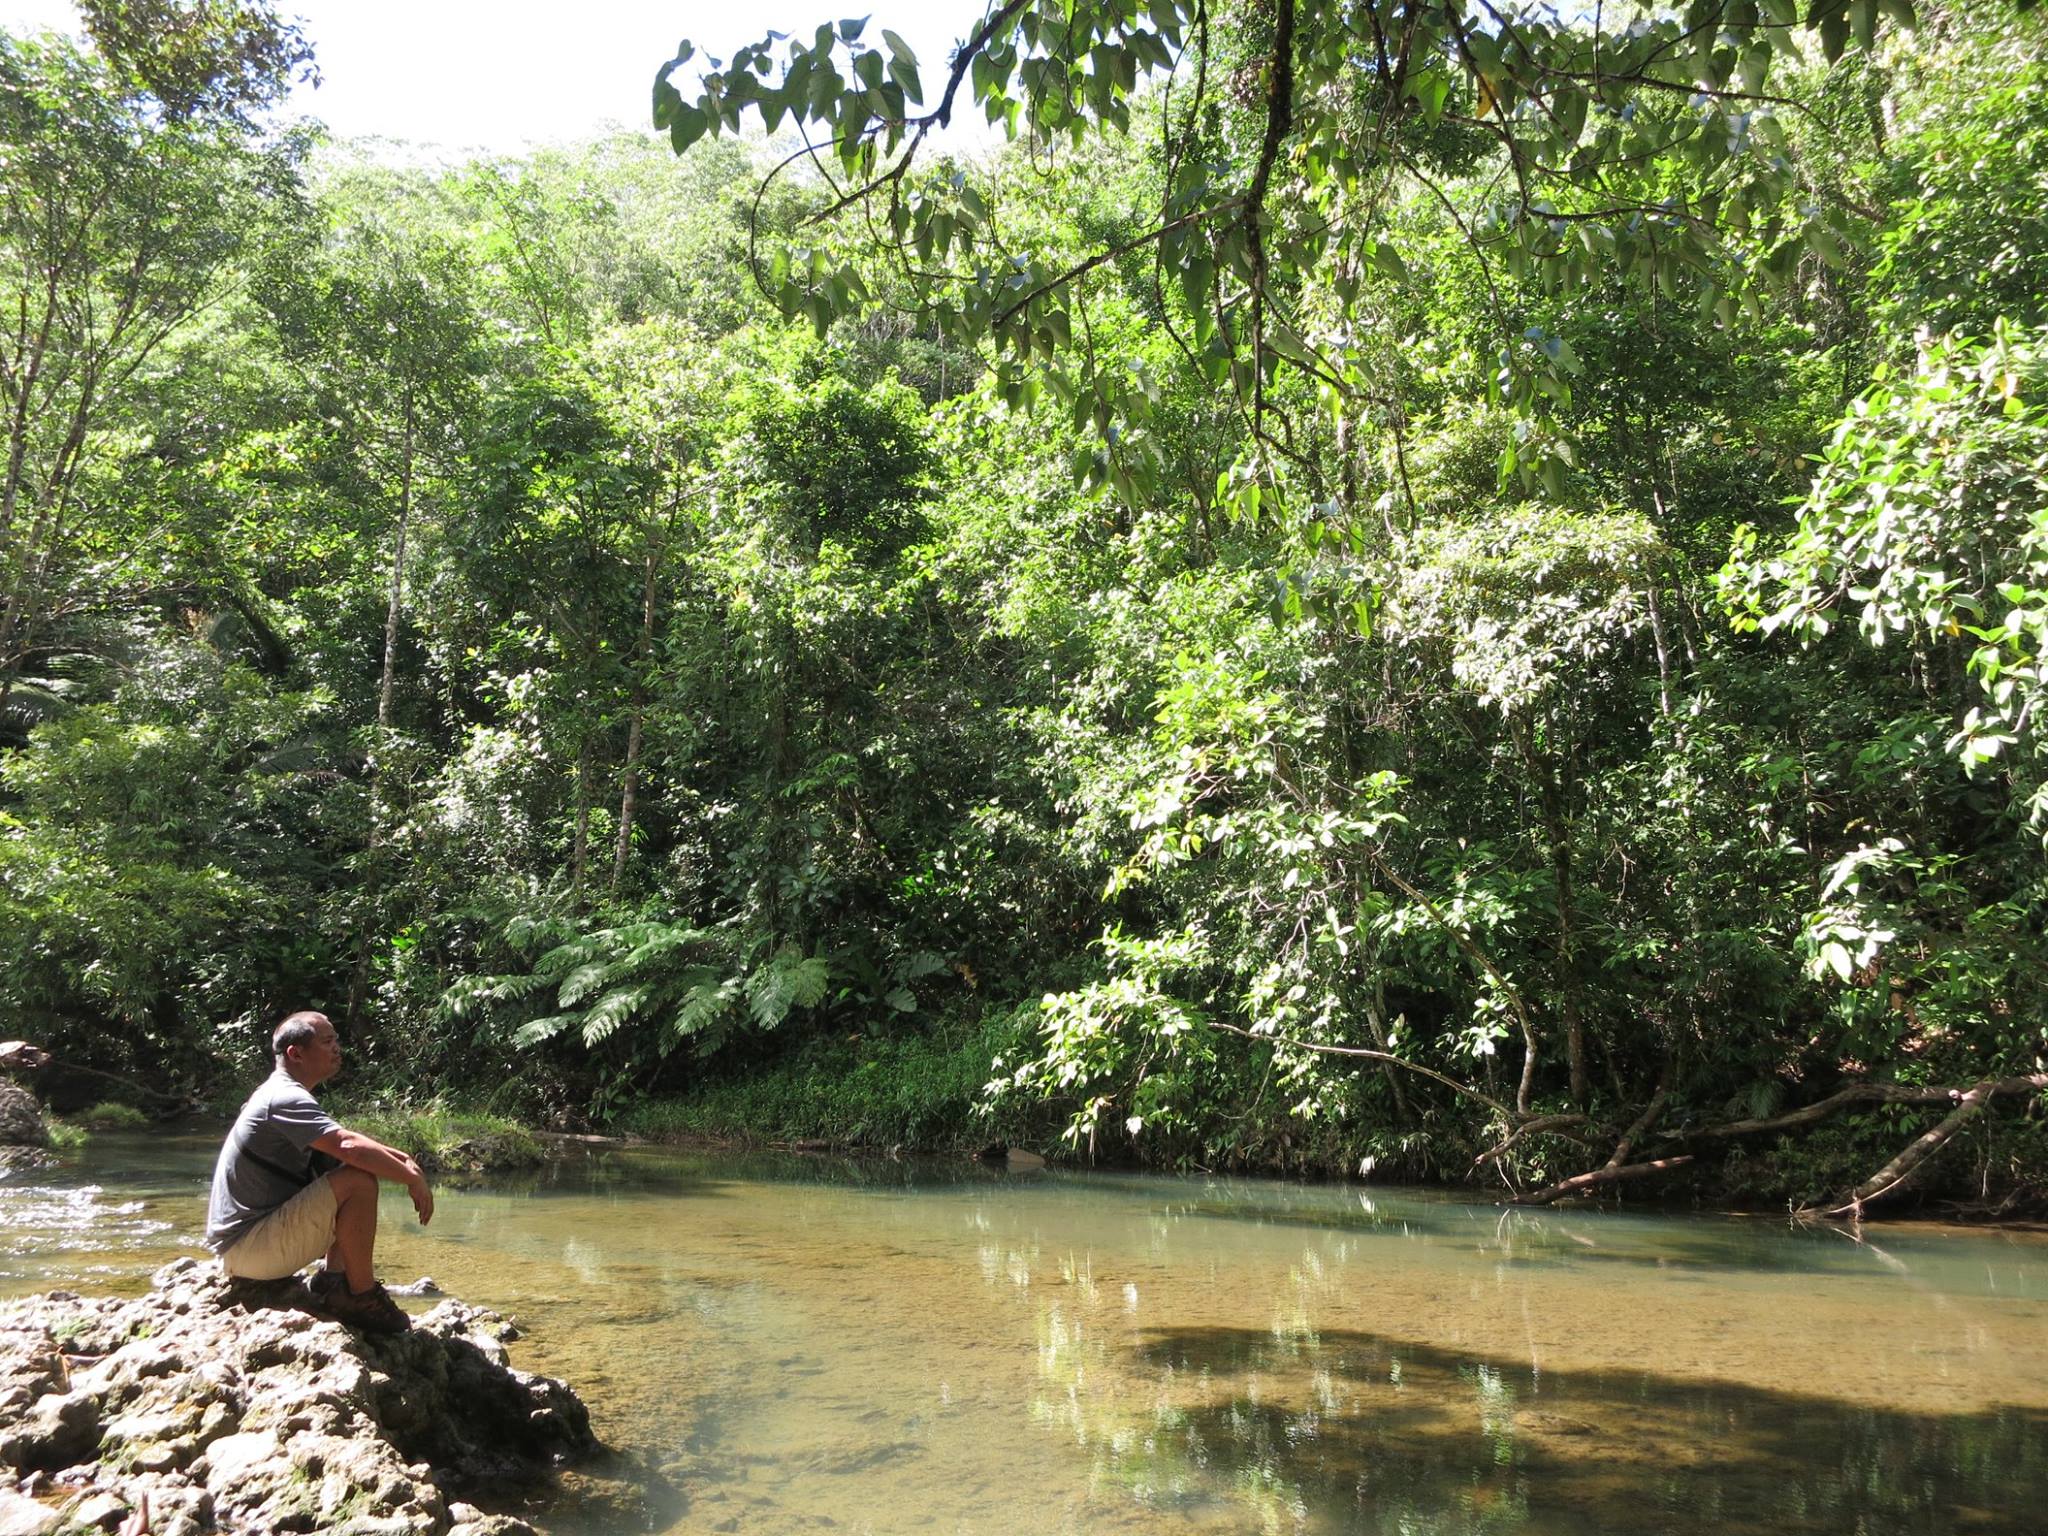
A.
pixel 1443 588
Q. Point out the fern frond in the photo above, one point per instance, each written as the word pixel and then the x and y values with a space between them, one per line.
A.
pixel 510 989
pixel 584 980
pixel 661 943
pixel 703 1006
pixel 525 932
pixel 542 1029
pixel 810 980
pixel 789 980
pixel 463 994
pixel 564 958
pixel 31 703
pixel 612 1010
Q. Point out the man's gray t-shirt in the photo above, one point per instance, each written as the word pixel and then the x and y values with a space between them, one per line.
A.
pixel 268 1158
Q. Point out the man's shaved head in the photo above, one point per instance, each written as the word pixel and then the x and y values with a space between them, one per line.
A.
pixel 300 1029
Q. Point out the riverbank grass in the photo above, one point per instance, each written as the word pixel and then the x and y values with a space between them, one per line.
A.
pixel 71 1132
pixel 916 1092
pixel 111 1116
pixel 446 1141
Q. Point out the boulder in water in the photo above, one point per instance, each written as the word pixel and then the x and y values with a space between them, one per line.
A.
pixel 21 1117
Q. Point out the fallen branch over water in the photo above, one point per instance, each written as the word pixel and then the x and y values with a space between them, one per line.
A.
pixel 1890 1179
pixel 1899 1172
pixel 1554 1124
pixel 1611 1174
pixel 1847 1098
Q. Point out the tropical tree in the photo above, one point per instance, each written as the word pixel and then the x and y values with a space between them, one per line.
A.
pixel 124 222
pixel 1564 149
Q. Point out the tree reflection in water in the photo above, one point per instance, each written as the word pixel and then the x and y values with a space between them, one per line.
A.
pixel 1328 1430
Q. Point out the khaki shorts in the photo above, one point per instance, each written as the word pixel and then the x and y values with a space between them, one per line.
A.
pixel 288 1239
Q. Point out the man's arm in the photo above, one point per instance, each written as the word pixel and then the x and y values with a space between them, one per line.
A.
pixel 380 1161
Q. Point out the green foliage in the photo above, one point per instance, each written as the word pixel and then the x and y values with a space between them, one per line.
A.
pixel 1214 604
pixel 123 224
pixel 1963 246
pixel 660 985
pixel 224 57
pixel 444 1141
pixel 844 464
pixel 1928 525
pixel 126 862
pixel 914 1092
pixel 1925 527
pixel 112 1117
pixel 1521 606
pixel 1646 146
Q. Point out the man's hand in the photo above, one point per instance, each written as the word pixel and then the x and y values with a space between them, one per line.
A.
pixel 422 1197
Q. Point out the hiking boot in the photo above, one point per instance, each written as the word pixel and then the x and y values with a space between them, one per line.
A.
pixel 324 1284
pixel 373 1311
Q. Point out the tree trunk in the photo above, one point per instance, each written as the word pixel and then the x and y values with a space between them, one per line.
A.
pixel 1479 958
pixel 1557 837
pixel 1612 1174
pixel 1376 1020
pixel 1968 1103
pixel 643 655
pixel 359 984
pixel 579 858
pixel 629 795
pixel 22 381
pixel 386 683
pixel 1663 651
pixel 1567 971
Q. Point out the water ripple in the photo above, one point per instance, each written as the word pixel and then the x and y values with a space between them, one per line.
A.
pixel 40 1220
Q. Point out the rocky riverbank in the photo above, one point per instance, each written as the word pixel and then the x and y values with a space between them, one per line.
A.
pixel 237 1419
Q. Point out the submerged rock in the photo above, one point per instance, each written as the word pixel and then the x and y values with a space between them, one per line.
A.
pixel 241 1419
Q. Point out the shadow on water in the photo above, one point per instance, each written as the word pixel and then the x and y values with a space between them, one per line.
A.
pixel 1349 1431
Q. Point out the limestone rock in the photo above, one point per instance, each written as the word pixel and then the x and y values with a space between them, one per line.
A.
pixel 21 1118
pixel 98 1509
pixel 57 1430
pixel 239 1419
pixel 22 1516
pixel 20 1056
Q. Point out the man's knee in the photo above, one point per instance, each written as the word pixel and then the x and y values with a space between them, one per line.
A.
pixel 352 1184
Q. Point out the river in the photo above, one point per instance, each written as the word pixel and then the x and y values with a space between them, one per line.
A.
pixel 787 1344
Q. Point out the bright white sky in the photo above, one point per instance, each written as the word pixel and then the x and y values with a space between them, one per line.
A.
pixel 499 75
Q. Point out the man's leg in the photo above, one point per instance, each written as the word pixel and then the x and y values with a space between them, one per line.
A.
pixel 355 1227
pixel 348 1292
pixel 288 1238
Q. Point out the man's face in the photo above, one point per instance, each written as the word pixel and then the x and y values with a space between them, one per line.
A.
pixel 322 1059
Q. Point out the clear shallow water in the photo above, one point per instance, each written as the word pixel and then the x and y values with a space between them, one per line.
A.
pixel 784 1344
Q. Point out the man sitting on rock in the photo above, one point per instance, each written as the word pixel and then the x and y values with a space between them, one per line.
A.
pixel 277 1206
